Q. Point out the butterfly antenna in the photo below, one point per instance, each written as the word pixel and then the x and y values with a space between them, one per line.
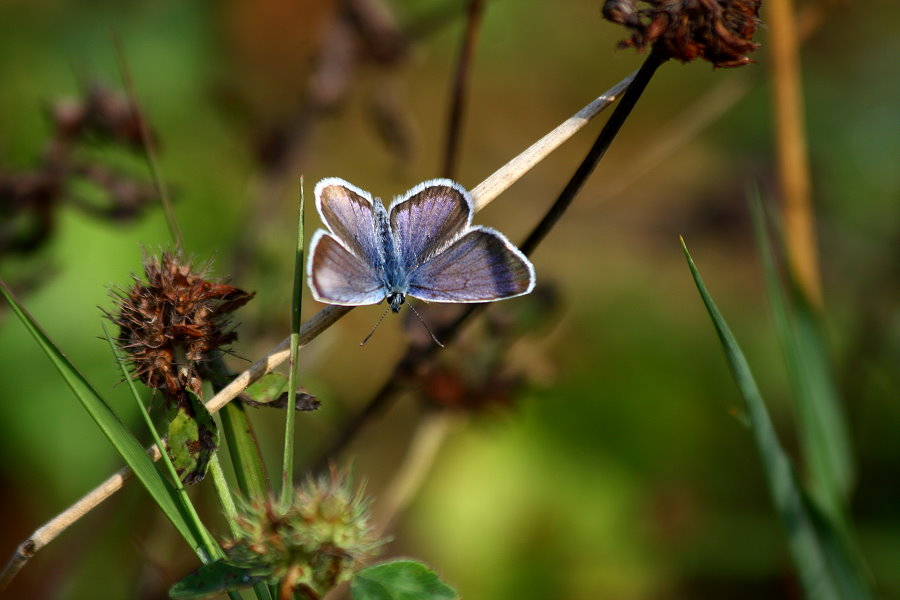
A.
pixel 371 333
pixel 425 325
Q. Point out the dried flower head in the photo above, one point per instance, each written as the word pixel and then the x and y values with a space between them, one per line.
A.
pixel 29 200
pixel 311 545
pixel 101 114
pixel 451 387
pixel 173 322
pixel 720 31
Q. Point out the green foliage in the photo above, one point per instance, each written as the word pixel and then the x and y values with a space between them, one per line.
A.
pixel 193 439
pixel 399 580
pixel 395 580
pixel 824 558
pixel 218 577
pixel 267 388
pixel 307 545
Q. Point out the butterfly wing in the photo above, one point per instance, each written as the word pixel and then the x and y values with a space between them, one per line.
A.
pixel 428 218
pixel 336 276
pixel 347 212
pixel 480 266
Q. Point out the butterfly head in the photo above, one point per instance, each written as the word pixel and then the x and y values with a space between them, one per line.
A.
pixel 395 299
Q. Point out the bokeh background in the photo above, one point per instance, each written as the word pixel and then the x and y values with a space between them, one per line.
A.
pixel 611 468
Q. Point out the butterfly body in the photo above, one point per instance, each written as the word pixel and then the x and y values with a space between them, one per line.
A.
pixel 395 279
pixel 423 245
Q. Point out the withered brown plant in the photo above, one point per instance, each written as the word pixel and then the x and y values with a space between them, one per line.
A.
pixel 720 31
pixel 173 322
pixel 30 199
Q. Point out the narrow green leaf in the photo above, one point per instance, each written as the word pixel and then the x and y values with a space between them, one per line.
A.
pixel 246 459
pixel 193 439
pixel 226 500
pixel 115 430
pixel 213 550
pixel 399 580
pixel 287 472
pixel 823 565
pixel 822 427
pixel 218 577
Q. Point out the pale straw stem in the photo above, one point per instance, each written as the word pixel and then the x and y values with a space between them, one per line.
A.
pixel 483 194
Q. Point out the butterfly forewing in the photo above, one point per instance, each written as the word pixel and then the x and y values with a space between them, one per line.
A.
pixel 429 218
pixel 347 211
pixel 480 266
pixel 338 277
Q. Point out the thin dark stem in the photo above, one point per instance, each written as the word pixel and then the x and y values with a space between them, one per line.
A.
pixel 404 373
pixel 415 358
pixel 460 87
pixel 424 26
pixel 601 145
pixel 149 148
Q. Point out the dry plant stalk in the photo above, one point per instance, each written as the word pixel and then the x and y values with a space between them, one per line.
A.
pixel 431 432
pixel 793 161
pixel 483 194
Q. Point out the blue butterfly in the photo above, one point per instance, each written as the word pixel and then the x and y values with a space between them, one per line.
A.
pixel 424 246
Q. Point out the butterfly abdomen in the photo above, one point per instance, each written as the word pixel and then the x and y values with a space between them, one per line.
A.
pixel 395 277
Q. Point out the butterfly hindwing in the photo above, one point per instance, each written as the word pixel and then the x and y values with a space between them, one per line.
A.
pixel 336 276
pixel 480 266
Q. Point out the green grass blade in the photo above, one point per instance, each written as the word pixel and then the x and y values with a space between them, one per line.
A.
pixel 249 470
pixel 820 557
pixel 226 500
pixel 212 548
pixel 287 475
pixel 115 430
pixel 822 427
pixel 246 458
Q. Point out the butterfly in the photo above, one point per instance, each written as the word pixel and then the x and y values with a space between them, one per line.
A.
pixel 424 245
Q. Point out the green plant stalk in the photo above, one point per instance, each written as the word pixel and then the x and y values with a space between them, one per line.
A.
pixel 222 492
pixel 287 475
pixel 825 564
pixel 249 469
pixel 227 502
pixel 246 458
pixel 212 548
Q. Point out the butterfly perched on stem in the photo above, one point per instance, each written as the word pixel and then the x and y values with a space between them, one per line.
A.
pixel 424 245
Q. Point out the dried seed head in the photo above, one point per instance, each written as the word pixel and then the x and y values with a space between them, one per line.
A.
pixel 101 114
pixel 311 545
pixel 720 31
pixel 172 322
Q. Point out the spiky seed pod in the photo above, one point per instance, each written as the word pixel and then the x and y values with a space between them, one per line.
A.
pixel 720 31
pixel 172 322
pixel 313 544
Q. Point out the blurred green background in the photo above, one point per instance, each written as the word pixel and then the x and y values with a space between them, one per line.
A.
pixel 616 471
